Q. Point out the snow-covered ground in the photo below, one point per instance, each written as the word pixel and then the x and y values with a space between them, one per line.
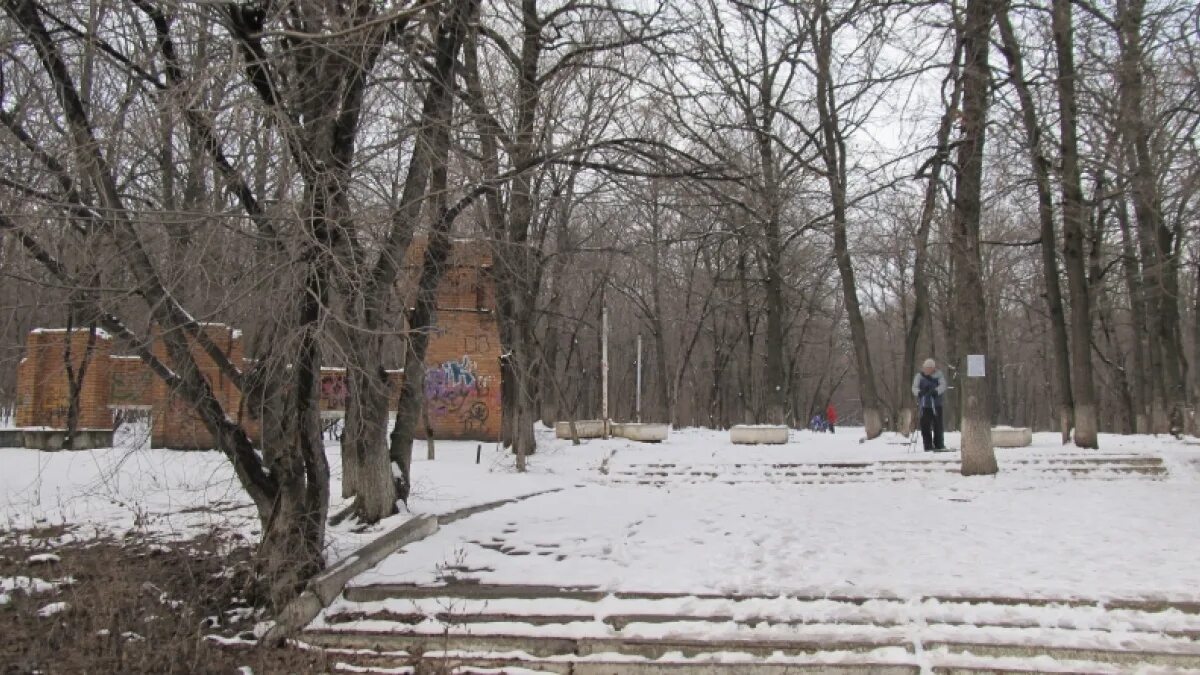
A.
pixel 699 515
pixel 172 495
pixel 756 520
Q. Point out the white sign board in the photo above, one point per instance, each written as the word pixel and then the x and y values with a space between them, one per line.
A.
pixel 975 365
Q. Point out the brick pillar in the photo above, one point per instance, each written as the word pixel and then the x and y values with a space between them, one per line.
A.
pixel 43 386
pixel 462 378
pixel 175 424
pixel 27 383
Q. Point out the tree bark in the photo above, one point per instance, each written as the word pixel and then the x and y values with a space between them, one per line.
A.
pixel 1137 305
pixel 1049 239
pixel 1086 421
pixel 75 379
pixel 978 457
pixel 920 312
pixel 437 114
pixel 1159 254
pixel 834 153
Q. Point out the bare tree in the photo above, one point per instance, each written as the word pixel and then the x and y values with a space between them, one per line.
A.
pixel 1040 163
pixel 1073 231
pixel 970 310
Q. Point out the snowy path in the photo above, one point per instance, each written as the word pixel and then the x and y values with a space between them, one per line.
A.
pixel 1088 539
pixel 824 551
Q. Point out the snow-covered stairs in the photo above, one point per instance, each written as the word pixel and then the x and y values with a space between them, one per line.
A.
pixel 1056 467
pixel 585 630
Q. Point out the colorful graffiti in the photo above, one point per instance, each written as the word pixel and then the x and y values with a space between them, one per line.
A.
pixel 448 386
pixel 458 394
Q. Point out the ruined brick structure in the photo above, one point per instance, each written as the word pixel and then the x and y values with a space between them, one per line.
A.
pixel 175 425
pixel 462 384
pixel 43 386
pixel 462 378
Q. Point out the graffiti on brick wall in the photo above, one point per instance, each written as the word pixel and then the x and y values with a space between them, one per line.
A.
pixel 335 390
pixel 456 388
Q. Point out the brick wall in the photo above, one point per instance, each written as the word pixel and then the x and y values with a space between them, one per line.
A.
pixel 462 386
pixel 462 378
pixel 175 425
pixel 43 385
pixel 132 383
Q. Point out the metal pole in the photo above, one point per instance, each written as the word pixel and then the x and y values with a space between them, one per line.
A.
pixel 604 368
pixel 638 395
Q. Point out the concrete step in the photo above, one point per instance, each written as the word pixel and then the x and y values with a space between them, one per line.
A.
pixel 451 662
pixel 958 634
pixel 614 655
pixel 551 646
pixel 619 622
pixel 482 665
pixel 894 472
pixel 1177 658
pixel 476 591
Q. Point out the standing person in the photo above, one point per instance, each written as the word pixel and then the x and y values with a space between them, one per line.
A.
pixel 831 417
pixel 928 386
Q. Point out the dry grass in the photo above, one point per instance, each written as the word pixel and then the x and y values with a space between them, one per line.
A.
pixel 136 606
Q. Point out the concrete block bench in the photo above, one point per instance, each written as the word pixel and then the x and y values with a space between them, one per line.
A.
pixel 747 434
pixel 1010 437
pixel 584 428
pixel 643 432
pixel 52 439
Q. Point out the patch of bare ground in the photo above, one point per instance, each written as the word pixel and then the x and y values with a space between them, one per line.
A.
pixel 133 606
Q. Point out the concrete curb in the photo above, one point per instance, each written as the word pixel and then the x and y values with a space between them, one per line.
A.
pixel 324 588
pixel 453 516
pixel 12 438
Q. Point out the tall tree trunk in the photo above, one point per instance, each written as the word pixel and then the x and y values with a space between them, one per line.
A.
pixel 436 117
pixel 775 308
pixel 920 312
pixel 921 318
pixel 1196 354
pixel 745 379
pixel 978 456
pixel 1049 240
pixel 1159 254
pixel 834 153
pixel 662 370
pixel 1083 390
pixel 75 378
pixel 420 322
pixel 1142 389
pixel 289 480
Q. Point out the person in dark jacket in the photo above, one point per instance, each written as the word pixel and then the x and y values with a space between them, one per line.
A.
pixel 929 386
